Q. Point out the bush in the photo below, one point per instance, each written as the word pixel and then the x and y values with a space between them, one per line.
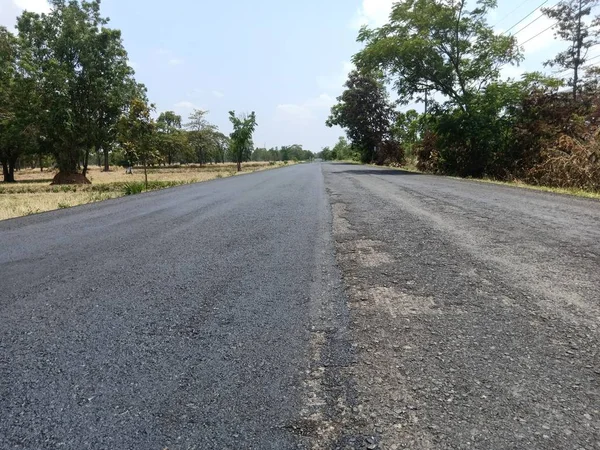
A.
pixel 391 153
pixel 134 187
pixel 428 156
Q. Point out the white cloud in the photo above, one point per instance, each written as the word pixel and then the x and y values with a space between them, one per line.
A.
pixel 373 13
pixel 218 94
pixel 38 6
pixel 10 9
pixel 311 109
pixel 186 105
pixel 176 62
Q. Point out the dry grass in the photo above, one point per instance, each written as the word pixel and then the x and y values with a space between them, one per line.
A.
pixel 33 193
pixel 16 205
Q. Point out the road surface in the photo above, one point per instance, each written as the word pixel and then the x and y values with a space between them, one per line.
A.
pixel 314 306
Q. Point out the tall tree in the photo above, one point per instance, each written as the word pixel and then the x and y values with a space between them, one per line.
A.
pixel 438 45
pixel 171 140
pixel 571 26
pixel 8 156
pixel 81 70
pixel 241 137
pixel 137 134
pixel 200 134
pixel 364 111
pixel 19 107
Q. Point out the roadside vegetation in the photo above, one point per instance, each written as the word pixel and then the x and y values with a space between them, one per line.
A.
pixel 69 101
pixel 34 193
pixel 542 129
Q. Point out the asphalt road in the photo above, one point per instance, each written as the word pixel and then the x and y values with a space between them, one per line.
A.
pixel 474 308
pixel 177 319
pixel 320 305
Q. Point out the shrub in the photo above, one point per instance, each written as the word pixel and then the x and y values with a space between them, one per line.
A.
pixel 134 187
pixel 390 152
pixel 428 156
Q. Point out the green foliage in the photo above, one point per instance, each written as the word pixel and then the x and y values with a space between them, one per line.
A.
pixel 241 137
pixel 441 47
pixel 171 140
pixel 133 188
pixel 137 135
pixel 572 27
pixel 433 45
pixel 364 111
pixel 81 78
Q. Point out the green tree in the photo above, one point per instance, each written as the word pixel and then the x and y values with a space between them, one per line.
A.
pixel 137 135
pixel 440 46
pixel 364 111
pixel 241 138
pixel 201 135
pixel 171 139
pixel 571 27
pixel 19 108
pixel 81 72
pixel 408 128
pixel 342 150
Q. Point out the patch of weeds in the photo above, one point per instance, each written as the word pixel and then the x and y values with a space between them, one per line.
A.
pixel 63 205
pixel 133 188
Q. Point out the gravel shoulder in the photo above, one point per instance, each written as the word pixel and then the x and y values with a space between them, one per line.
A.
pixel 474 312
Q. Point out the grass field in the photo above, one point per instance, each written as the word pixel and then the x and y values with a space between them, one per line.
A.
pixel 32 193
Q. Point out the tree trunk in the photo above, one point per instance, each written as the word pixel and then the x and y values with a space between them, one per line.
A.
pixel 41 161
pixel 8 169
pixel 9 175
pixel 106 164
pixel 86 159
pixel 146 174
pixel 239 165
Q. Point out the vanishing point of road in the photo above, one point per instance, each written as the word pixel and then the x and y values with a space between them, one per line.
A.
pixel 313 306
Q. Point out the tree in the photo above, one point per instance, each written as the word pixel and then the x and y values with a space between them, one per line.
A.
pixel 241 138
pixel 19 107
pixel 342 150
pixel 408 128
pixel 581 36
pixel 137 134
pixel 171 140
pixel 81 72
pixel 364 112
pixel 201 135
pixel 438 45
pixel 8 156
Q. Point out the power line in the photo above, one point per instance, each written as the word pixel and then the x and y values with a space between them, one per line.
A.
pixel 530 23
pixel 500 21
pixel 520 21
pixel 541 32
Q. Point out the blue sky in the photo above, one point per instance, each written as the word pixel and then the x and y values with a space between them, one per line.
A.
pixel 286 60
